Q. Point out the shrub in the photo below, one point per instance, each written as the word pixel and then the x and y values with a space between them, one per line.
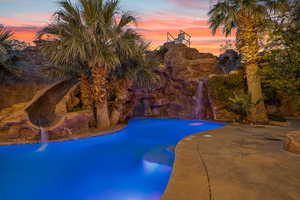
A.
pixel 224 87
pixel 277 118
pixel 239 104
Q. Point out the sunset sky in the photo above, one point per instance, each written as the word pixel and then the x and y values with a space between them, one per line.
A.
pixel 155 19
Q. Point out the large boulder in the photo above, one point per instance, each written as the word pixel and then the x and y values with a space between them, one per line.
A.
pixel 292 142
pixel 14 125
pixel 229 61
pixel 188 63
pixel 72 124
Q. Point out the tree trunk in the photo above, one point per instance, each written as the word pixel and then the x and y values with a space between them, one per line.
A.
pixel 258 110
pixel 247 44
pixel 103 121
pixel 115 116
pixel 121 92
pixel 85 92
pixel 99 74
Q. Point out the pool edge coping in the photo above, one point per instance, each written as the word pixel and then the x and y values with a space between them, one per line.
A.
pixel 99 133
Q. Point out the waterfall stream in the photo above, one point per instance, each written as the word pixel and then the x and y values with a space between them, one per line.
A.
pixel 199 112
pixel 43 140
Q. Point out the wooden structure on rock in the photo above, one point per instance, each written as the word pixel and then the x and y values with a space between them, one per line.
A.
pixel 182 38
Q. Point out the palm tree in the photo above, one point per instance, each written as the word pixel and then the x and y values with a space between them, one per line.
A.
pixel 8 60
pixel 91 31
pixel 248 18
pixel 5 35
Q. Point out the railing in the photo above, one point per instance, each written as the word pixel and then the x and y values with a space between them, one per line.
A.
pixel 183 38
pixel 170 37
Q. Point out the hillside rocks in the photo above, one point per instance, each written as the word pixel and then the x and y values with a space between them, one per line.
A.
pixel 177 93
pixel 187 64
pixel 15 92
pixel 30 78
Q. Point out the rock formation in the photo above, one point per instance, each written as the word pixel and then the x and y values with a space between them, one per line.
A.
pixel 42 111
pixel 181 92
pixel 176 94
pixel 19 91
pixel 21 123
pixel 30 78
pixel 230 60
pixel 292 142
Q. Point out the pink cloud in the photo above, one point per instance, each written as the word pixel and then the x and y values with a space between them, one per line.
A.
pixel 200 4
pixel 10 21
pixel 26 19
pixel 153 27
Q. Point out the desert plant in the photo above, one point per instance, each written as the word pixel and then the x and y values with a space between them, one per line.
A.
pixel 223 87
pixel 281 57
pixel 7 60
pixel 240 104
pixel 277 118
pixel 5 35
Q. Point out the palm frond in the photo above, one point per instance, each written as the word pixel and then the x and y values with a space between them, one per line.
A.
pixel 4 36
pixel 224 15
pixel 94 32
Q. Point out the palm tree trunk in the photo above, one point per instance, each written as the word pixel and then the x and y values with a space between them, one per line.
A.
pixel 249 48
pixel 258 110
pixel 85 92
pixel 116 115
pixel 99 74
pixel 121 88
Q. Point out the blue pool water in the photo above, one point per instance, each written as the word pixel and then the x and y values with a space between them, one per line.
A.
pixel 132 164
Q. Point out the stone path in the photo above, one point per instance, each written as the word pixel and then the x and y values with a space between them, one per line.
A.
pixel 235 163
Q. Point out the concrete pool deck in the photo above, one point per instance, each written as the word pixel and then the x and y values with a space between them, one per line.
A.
pixel 237 162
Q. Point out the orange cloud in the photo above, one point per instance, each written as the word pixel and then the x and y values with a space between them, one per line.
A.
pixel 24 33
pixel 26 36
pixel 153 28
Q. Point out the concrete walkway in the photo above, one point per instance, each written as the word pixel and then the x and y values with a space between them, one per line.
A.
pixel 235 163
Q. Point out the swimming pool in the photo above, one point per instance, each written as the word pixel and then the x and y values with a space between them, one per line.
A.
pixel 132 164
